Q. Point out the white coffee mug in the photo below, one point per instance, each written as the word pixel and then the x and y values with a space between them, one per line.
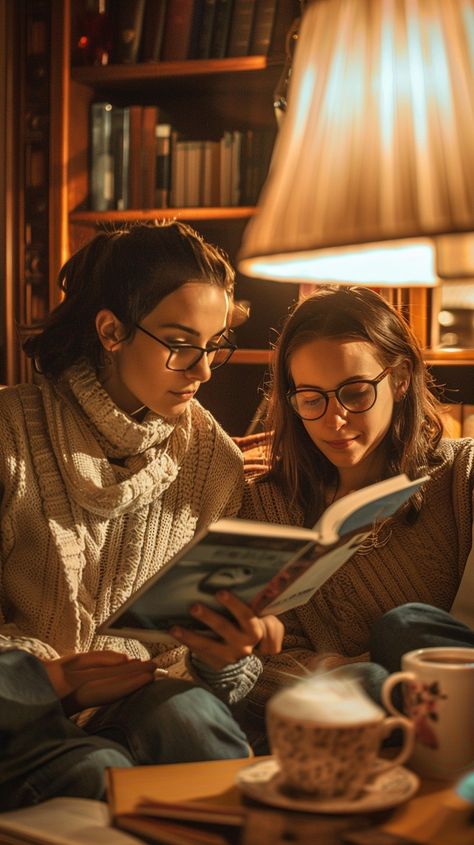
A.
pixel 438 692
pixel 326 736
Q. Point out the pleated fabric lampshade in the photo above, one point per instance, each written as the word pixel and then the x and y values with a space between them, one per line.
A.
pixel 375 155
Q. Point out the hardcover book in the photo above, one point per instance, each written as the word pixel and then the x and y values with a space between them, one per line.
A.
pixel 271 567
pixel 179 804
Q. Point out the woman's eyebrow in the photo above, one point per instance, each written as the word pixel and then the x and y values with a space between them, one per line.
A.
pixel 304 386
pixel 188 329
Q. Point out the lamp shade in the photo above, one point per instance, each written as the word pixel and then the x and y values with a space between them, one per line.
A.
pixel 376 150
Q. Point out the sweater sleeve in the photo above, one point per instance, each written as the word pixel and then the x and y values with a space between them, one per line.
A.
pixel 11 636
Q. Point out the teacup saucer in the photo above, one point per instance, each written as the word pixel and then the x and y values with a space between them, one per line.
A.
pixel 262 781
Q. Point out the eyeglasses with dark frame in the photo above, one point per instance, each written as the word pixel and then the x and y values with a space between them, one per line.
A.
pixel 187 356
pixel 355 396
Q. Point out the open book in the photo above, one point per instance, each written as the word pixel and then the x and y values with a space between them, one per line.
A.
pixel 271 567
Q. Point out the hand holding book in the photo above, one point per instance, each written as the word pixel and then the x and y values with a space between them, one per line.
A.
pixel 235 638
pixel 272 568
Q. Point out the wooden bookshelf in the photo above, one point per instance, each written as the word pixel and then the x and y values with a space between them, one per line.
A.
pixel 213 93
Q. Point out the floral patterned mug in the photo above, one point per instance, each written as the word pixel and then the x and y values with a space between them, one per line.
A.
pixel 326 735
pixel 438 696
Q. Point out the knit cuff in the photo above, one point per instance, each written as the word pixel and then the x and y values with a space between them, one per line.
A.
pixel 232 683
pixel 37 648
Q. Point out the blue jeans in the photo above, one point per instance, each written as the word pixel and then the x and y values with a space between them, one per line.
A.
pixel 43 753
pixel 412 626
pixel 171 721
pixel 403 629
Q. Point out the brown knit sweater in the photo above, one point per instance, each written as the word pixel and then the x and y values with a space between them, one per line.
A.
pixel 419 562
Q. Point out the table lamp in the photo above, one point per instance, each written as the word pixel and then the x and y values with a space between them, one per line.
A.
pixel 374 158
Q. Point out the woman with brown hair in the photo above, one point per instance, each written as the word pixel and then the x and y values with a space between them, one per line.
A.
pixel 108 467
pixel 351 403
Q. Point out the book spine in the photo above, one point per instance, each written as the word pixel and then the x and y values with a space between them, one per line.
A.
pixel 205 35
pixel 210 180
pixel 135 158
pixel 163 165
pixel 148 148
pixel 173 168
pixel 177 30
pixel 241 27
pixel 221 29
pixel 127 30
pixel 196 27
pixel 225 168
pixel 235 174
pixel 263 27
pixel 102 162
pixel 121 148
pixel 153 28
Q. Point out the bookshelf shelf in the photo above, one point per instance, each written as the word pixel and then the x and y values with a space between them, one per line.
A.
pixel 217 213
pixel 111 75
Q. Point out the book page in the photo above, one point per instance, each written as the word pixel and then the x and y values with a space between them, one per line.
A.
pixel 62 821
pixel 313 574
pixel 362 508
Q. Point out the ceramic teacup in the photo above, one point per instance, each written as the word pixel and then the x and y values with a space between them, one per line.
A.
pixel 326 736
pixel 438 692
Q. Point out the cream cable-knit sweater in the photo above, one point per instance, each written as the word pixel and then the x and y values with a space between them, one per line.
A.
pixel 92 504
pixel 420 562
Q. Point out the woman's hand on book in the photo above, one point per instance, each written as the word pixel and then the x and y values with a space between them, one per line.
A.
pixel 237 639
pixel 97 677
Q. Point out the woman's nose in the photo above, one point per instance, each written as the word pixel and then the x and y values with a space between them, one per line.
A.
pixel 336 414
pixel 201 370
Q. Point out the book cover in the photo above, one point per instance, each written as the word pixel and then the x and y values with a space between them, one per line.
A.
pixel 202 791
pixel 271 567
pixel 179 804
pixel 127 30
pixel 153 28
pixel 221 29
pixel 241 27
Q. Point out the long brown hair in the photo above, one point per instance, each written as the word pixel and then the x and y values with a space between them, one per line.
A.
pixel 358 313
pixel 128 270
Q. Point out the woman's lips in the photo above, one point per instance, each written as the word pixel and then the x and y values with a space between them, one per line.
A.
pixel 183 395
pixel 341 444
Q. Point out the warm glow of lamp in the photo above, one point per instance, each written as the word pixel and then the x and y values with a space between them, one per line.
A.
pixel 375 155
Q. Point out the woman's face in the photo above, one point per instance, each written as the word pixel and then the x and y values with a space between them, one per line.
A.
pixel 196 313
pixel 350 441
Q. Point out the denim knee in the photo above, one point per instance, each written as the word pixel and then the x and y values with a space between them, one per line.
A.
pixel 172 721
pixel 411 626
pixel 77 770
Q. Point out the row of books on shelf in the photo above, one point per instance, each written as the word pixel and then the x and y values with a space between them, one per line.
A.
pixel 138 161
pixel 129 31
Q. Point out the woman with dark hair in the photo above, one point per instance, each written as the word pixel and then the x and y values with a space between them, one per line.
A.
pixel 350 404
pixel 108 466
